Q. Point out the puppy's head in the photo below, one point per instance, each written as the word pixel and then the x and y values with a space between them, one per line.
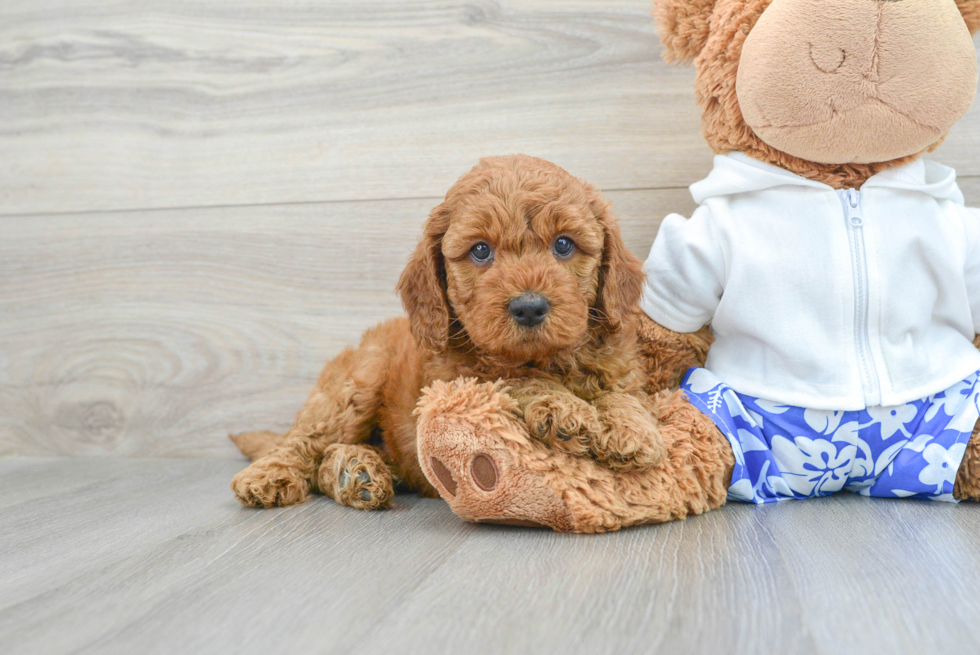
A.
pixel 521 261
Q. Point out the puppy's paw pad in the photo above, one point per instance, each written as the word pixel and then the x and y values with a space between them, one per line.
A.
pixel 363 482
pixel 363 477
pixel 357 485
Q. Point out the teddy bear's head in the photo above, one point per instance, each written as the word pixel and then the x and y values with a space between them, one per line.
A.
pixel 835 90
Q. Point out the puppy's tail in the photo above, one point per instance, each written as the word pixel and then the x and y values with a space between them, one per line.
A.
pixel 256 444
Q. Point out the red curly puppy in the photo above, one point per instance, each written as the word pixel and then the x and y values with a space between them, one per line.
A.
pixel 520 275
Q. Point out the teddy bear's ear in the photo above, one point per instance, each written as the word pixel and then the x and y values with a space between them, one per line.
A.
pixel 971 14
pixel 683 26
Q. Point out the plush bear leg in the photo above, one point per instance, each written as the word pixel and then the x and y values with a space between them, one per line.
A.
pixel 967 485
pixel 474 448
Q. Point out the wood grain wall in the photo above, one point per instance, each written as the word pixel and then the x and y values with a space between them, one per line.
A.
pixel 200 201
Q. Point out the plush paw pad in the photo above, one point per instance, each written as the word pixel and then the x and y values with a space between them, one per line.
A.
pixel 484 472
pixel 475 472
pixel 443 475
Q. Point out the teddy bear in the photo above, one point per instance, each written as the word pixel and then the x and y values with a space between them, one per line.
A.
pixel 838 270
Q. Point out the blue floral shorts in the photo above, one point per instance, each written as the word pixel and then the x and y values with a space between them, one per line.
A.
pixel 782 452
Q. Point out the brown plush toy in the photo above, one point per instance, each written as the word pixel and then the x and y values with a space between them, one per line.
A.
pixel 840 273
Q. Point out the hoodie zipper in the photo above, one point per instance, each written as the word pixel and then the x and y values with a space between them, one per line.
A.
pixel 854 221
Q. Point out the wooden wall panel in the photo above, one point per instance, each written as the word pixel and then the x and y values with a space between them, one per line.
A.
pixel 129 104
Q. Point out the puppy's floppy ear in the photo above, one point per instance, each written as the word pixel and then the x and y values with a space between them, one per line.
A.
pixel 620 274
pixel 422 285
pixel 683 26
pixel 971 14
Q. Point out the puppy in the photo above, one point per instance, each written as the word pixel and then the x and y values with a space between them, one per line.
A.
pixel 520 275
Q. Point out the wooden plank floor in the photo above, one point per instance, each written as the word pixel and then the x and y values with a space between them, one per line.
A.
pixel 156 556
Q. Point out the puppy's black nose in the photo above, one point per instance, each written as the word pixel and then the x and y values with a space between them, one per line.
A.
pixel 529 309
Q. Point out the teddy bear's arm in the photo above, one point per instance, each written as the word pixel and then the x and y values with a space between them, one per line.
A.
pixel 667 355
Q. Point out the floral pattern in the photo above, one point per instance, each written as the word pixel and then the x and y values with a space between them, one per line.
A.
pixel 783 452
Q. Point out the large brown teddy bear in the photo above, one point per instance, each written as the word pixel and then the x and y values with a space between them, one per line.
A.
pixel 839 272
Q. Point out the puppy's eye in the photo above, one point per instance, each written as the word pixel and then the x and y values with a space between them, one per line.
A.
pixel 563 247
pixel 481 253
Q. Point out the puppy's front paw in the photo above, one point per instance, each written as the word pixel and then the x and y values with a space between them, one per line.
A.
pixel 631 437
pixel 563 421
pixel 269 485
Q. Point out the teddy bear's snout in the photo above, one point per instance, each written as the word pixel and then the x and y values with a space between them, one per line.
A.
pixel 902 70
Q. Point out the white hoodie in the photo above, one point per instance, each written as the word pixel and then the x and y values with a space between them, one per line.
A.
pixel 821 298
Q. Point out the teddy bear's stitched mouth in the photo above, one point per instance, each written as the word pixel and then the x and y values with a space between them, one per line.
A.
pixel 836 68
pixel 830 141
pixel 836 115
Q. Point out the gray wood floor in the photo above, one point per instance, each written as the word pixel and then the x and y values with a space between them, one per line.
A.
pixel 156 556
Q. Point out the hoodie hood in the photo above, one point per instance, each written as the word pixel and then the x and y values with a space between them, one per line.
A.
pixel 736 172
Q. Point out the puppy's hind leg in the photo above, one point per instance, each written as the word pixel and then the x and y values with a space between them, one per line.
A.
pixel 342 409
pixel 357 476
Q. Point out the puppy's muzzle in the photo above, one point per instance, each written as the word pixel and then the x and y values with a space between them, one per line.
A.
pixel 529 309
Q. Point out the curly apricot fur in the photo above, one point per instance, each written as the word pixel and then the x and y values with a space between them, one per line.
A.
pixel 583 357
